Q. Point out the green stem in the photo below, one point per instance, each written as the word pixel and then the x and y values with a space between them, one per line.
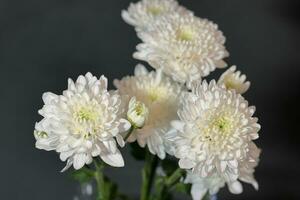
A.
pixel 148 174
pixel 174 178
pixel 169 182
pixel 101 195
pixel 129 133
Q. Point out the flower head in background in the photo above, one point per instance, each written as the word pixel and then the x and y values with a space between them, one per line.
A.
pixel 161 96
pixel 145 12
pixel 200 186
pixel 82 123
pixel 137 113
pixel 185 47
pixel 233 80
pixel 215 135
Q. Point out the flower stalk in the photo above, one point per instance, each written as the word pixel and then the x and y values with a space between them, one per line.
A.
pixel 174 178
pixel 168 183
pixel 148 174
pixel 101 192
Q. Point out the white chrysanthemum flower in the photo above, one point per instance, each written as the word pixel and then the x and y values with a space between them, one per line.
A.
pixel 215 133
pixel 200 186
pixel 145 12
pixel 161 96
pixel 137 113
pixel 233 80
pixel 82 123
pixel 186 47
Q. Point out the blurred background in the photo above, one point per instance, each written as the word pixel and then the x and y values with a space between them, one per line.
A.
pixel 43 42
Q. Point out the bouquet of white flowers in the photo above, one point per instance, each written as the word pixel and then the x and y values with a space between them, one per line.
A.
pixel 195 136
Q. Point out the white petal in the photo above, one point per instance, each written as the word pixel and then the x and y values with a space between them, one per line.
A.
pixel 115 160
pixel 233 163
pixel 126 17
pixel 140 70
pixel 68 165
pixel 124 125
pixel 198 192
pixel 186 163
pixel 79 161
pixel 120 140
pixel 71 85
pixel 65 155
pixel 179 125
pixel 103 82
pixel 48 97
pixel 235 187
pixel 81 80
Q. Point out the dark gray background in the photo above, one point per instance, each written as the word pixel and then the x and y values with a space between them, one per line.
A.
pixel 42 42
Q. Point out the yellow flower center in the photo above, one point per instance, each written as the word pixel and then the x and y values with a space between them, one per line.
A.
pixel 157 93
pixel 87 119
pixel 85 114
pixel 155 10
pixel 185 34
pixel 216 128
pixel 222 125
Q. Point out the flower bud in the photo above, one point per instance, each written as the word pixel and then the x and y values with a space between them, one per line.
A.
pixel 137 113
pixel 234 80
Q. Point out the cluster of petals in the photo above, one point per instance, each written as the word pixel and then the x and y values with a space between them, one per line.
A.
pixel 215 134
pixel 202 186
pixel 145 12
pixel 160 94
pixel 82 123
pixel 187 47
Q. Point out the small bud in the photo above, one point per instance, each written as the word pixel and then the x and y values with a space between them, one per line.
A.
pixel 137 113
pixel 234 80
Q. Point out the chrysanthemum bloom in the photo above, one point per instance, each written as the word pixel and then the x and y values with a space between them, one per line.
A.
pixel 145 12
pixel 160 95
pixel 215 134
pixel 186 47
pixel 233 80
pixel 82 123
pixel 200 186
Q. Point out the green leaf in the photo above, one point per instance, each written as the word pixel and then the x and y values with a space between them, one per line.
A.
pixel 83 175
pixel 137 152
pixel 169 166
pixel 183 188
